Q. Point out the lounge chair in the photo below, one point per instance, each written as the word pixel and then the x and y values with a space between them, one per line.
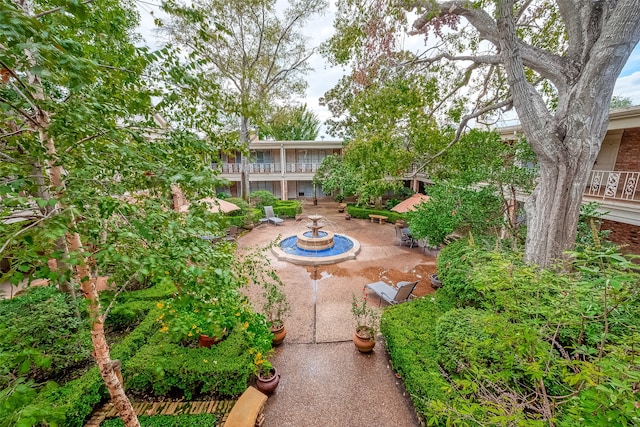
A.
pixel 271 217
pixel 393 295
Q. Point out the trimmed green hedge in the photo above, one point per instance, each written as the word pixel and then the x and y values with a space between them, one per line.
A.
pixel 410 333
pixel 287 208
pixel 363 213
pixel 161 367
pixel 132 307
pixel 75 401
pixel 39 326
pixel 181 420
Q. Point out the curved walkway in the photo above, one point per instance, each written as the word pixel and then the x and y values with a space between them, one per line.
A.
pixel 324 380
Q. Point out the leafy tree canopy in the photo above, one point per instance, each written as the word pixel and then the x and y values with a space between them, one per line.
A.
pixel 337 177
pixel 554 62
pixel 291 123
pixel 620 102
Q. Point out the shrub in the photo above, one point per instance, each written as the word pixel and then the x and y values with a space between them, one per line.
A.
pixel 391 203
pixel 126 315
pixel 72 403
pixel 409 330
pixel 537 345
pixel 262 198
pixel 133 306
pixel 161 367
pixel 454 269
pixel 363 213
pixel 42 325
pixel 239 202
pixel 287 208
pixel 181 420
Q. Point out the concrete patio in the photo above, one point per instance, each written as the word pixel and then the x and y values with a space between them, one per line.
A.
pixel 324 380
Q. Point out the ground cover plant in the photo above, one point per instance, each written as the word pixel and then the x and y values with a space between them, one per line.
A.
pixel 182 420
pixel 503 343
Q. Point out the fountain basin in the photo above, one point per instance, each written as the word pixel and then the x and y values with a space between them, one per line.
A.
pixel 344 248
pixel 308 242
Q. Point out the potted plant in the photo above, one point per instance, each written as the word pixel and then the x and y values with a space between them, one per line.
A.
pixel 249 219
pixel 189 316
pixel 267 377
pixel 276 309
pixel 367 320
pixel 435 281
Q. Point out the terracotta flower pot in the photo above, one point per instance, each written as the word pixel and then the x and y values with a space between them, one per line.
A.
pixel 363 344
pixel 207 341
pixel 268 385
pixel 278 334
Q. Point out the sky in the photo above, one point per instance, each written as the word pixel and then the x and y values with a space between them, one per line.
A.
pixel 324 76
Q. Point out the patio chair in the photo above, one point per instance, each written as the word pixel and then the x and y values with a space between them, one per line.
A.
pixel 390 294
pixel 406 238
pixel 271 217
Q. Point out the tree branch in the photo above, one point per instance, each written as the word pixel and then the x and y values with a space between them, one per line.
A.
pixel 461 126
pixel 85 139
pixel 481 59
pixel 549 65
pixel 16 132
pixel 22 230
pixel 57 9
pixel 8 158
pixel 19 110
pixel 15 76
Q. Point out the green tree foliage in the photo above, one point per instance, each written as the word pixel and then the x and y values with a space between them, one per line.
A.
pixel 452 208
pixel 489 56
pixel 337 177
pixel 387 126
pixel 620 102
pixel 256 53
pixel 291 123
pixel 85 155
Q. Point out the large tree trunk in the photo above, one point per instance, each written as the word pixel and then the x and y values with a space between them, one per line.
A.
pixel 567 140
pixel 553 209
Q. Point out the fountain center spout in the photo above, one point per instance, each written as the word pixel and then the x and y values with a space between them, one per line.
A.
pixel 314 226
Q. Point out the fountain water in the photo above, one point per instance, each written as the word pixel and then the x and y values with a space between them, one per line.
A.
pixel 316 247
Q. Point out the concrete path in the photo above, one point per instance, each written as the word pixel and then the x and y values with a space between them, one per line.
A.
pixel 324 379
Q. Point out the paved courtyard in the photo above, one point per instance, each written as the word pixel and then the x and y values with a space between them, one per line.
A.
pixel 324 380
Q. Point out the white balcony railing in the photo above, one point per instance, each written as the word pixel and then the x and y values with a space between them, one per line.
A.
pixel 302 167
pixel 229 168
pixel 618 185
pixel 264 168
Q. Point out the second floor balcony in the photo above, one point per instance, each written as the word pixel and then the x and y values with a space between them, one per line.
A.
pixel 614 185
pixel 267 168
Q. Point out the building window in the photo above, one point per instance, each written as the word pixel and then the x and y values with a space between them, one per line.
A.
pixel 263 157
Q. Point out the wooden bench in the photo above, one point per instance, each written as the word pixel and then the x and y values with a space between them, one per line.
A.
pixel 381 218
pixel 248 410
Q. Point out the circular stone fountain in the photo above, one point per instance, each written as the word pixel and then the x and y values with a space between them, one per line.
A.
pixel 316 247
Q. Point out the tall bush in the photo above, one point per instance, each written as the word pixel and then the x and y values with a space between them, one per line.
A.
pixel 530 347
